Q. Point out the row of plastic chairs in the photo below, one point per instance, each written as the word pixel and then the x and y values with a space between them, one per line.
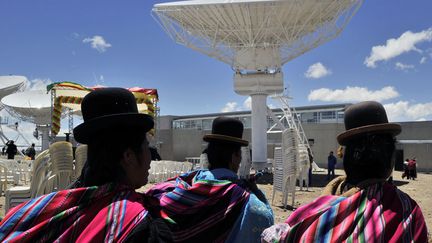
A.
pixel 14 172
pixel 165 169
pixel 19 194
pixel 52 170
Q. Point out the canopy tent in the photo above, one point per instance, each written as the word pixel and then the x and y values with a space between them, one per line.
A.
pixel 70 95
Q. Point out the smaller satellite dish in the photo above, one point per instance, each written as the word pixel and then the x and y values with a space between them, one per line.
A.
pixel 11 84
pixel 33 106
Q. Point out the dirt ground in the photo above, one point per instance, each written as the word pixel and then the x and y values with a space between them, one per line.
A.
pixel 420 190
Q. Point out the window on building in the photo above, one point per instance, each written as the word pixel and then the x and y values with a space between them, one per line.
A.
pixel 309 117
pixel 328 115
pixel 247 121
pixel 207 124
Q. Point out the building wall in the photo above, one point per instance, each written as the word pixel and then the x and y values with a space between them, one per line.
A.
pixel 416 131
pixel 422 153
pixel 177 144
pixel 324 136
pixel 188 143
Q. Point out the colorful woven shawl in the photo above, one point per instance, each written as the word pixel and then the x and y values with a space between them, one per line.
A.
pixel 92 214
pixel 379 213
pixel 199 210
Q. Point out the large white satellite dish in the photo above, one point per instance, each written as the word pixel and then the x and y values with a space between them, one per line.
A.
pixel 11 84
pixel 32 106
pixel 255 37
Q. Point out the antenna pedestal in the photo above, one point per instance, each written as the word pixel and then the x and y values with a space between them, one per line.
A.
pixel 44 129
pixel 259 85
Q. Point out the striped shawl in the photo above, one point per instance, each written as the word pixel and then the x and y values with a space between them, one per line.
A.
pixel 377 213
pixel 92 214
pixel 199 210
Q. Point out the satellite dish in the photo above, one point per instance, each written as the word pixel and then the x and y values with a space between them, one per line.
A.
pixel 255 37
pixel 11 84
pixel 32 106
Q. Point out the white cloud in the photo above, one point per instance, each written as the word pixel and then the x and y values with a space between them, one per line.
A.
pixel 247 104
pixel 403 111
pixel 98 43
pixel 230 106
pixel 394 47
pixel 402 66
pixel 317 70
pixel 352 94
pixel 423 60
pixel 37 84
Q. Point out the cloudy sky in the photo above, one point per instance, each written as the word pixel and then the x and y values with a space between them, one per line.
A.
pixel 384 54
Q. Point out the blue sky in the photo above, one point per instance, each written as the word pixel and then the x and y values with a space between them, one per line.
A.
pixel 118 43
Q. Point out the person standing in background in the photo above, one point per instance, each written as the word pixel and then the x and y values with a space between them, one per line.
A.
pixel 310 166
pixel 331 164
pixel 11 150
pixel 31 152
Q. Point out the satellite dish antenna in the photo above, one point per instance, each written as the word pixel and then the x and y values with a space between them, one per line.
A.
pixel 31 106
pixel 11 84
pixel 255 37
pixel 8 85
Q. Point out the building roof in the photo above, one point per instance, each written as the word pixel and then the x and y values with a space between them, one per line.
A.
pixel 314 108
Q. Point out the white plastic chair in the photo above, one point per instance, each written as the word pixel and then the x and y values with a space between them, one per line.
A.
pixel 245 164
pixel 285 166
pixel 80 159
pixel 62 163
pixel 19 194
pixel 204 164
pixel 5 178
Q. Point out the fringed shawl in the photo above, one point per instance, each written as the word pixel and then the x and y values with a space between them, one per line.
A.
pixel 90 214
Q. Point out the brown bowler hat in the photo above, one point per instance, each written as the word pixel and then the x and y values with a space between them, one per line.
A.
pixel 226 130
pixel 366 117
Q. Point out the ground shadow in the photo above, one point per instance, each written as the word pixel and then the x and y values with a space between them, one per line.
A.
pixel 318 180
pixel 288 207
pixel 266 178
pixel 400 183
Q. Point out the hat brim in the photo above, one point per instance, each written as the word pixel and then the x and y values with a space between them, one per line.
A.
pixel 390 128
pixel 84 132
pixel 225 139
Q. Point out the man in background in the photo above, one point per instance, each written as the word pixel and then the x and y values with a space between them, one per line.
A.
pixel 11 150
pixel 31 152
pixel 331 164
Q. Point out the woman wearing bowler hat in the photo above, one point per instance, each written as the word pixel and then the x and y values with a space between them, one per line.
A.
pixel 102 205
pixel 214 205
pixel 361 206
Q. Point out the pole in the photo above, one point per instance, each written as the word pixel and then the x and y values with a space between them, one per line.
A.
pixel 259 131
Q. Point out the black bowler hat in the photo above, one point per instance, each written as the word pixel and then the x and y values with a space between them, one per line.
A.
pixel 110 108
pixel 366 117
pixel 226 130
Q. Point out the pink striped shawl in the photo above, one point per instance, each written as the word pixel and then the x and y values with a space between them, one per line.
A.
pixel 91 214
pixel 379 213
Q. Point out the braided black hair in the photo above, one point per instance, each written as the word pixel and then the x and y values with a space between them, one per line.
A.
pixel 370 156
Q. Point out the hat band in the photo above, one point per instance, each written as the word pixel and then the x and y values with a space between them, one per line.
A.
pixel 225 138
